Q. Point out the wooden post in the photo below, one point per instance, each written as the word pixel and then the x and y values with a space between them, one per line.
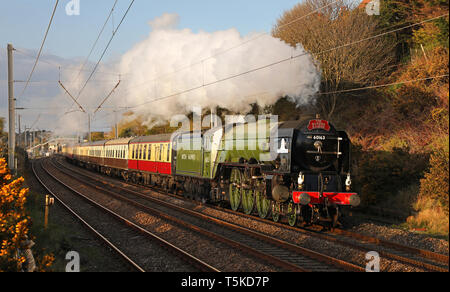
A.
pixel 49 201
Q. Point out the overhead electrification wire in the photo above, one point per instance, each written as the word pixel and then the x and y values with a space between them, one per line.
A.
pixel 383 85
pixel 106 98
pixel 56 81
pixel 104 51
pixel 285 60
pixel 63 68
pixel 35 122
pixel 40 50
pixel 96 41
pixel 281 27
pixel 203 60
pixel 75 100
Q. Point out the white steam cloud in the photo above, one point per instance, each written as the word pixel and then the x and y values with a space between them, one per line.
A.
pixel 151 70
pixel 155 64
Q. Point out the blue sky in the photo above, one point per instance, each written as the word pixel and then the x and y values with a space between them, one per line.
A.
pixel 23 22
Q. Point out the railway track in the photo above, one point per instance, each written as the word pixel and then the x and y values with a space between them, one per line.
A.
pixel 147 252
pixel 284 255
pixel 423 259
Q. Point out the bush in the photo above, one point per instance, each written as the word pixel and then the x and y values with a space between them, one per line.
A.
pixel 435 185
pixel 381 175
pixel 14 222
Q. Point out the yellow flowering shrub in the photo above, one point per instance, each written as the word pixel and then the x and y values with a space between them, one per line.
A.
pixel 14 223
pixel 44 264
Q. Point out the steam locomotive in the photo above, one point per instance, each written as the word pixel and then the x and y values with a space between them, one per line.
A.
pixel 301 173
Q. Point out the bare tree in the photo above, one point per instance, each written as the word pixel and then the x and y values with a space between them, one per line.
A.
pixel 325 33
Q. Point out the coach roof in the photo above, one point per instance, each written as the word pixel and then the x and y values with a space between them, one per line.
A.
pixel 122 141
pixel 96 143
pixel 154 138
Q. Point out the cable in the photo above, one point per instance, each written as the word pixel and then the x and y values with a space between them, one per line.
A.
pixel 212 56
pixel 96 41
pixel 35 122
pixel 106 98
pixel 104 52
pixel 56 81
pixel 297 56
pixel 40 50
pixel 384 85
pixel 352 90
pixel 234 47
pixel 284 60
pixel 75 100
pixel 59 65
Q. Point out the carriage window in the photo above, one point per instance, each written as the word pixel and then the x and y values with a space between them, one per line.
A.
pixel 150 152
pixel 168 153
pixel 164 153
pixel 144 153
pixel 160 151
pixel 157 150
